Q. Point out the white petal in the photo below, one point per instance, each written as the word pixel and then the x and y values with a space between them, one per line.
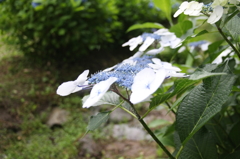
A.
pixel 156 61
pixel 194 9
pixel 145 83
pixel 175 74
pixel 98 91
pixel 66 88
pixel 82 77
pixel 155 51
pixel 137 54
pixel 110 68
pixel 77 89
pixel 130 62
pixel 176 43
pixel 162 32
pixel 166 40
pixel 181 9
pixel 134 42
pixel 141 81
pixel 80 88
pixel 216 15
pixel 146 43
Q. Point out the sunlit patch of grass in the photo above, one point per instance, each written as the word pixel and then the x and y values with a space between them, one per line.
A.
pixel 6 49
pixel 45 143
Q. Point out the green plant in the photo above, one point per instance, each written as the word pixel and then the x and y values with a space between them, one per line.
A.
pixel 63 30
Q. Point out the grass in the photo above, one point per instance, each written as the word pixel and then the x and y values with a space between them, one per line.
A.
pixel 27 98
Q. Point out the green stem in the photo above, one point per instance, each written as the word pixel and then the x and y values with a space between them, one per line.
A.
pixel 155 138
pixel 179 151
pixel 152 134
pixel 228 41
pixel 143 123
pixel 149 110
pixel 128 111
pixel 169 106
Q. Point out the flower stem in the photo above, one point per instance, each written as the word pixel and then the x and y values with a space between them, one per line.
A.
pixel 228 41
pixel 134 111
pixel 155 138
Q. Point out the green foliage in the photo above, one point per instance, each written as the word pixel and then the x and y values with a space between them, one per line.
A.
pixel 166 8
pixel 63 30
pixel 179 87
pixel 201 145
pixel 231 27
pixel 181 28
pixel 145 25
pixel 207 99
pixel 58 29
pixel 97 120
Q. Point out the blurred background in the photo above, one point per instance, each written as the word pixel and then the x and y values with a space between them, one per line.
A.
pixel 46 42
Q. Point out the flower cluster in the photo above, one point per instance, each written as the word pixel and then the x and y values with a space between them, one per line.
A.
pixel 215 9
pixel 161 36
pixel 142 75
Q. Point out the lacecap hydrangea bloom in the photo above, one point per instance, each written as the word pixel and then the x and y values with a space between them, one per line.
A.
pixel 161 36
pixel 189 8
pixel 215 10
pixel 142 75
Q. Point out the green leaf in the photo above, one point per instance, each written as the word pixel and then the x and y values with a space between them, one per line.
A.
pixel 61 32
pixel 214 46
pixel 158 122
pixel 79 8
pixel 97 120
pixel 165 135
pixel 203 102
pixel 234 133
pixel 201 33
pixel 201 73
pixel 190 36
pixel 201 146
pixel 234 155
pixel 179 87
pixel 233 27
pixel 165 6
pixel 109 98
pixel 229 17
pixel 181 28
pixel 214 50
pixel 145 25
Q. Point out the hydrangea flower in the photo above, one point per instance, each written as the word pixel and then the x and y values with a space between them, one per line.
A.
pixel 158 64
pixel 215 15
pixel 142 75
pixel 124 71
pixel 189 8
pixel 215 9
pixel 69 87
pixel 133 43
pixel 161 36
